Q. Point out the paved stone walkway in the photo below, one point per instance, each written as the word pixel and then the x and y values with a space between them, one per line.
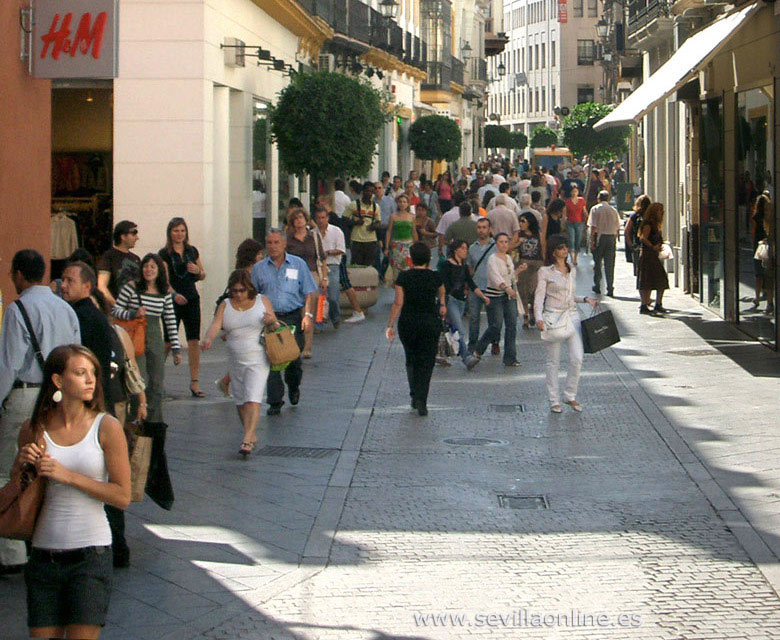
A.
pixel 659 499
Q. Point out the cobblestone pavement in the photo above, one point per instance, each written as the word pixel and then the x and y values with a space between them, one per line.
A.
pixel 645 523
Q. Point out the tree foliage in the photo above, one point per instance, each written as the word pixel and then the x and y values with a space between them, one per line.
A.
pixel 435 138
pixel 582 139
pixel 497 137
pixel 542 136
pixel 519 140
pixel 327 124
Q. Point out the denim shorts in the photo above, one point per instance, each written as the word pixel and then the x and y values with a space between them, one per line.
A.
pixel 71 587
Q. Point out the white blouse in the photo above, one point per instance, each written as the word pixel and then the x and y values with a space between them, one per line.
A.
pixel 555 290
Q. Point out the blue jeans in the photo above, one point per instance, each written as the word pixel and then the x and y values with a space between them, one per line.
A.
pixel 334 296
pixel 575 230
pixel 501 310
pixel 475 310
pixel 455 309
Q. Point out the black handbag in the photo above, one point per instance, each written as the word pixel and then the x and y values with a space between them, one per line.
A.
pixel 158 481
pixel 599 332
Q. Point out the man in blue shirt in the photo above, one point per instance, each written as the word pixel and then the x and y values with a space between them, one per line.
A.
pixel 287 282
pixel 53 323
pixel 479 252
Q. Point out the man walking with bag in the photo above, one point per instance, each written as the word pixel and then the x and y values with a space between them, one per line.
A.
pixel 287 282
pixel 33 326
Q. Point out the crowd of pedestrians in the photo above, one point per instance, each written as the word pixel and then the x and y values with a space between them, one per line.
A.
pixel 499 238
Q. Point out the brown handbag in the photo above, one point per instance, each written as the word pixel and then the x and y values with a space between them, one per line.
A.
pixel 136 329
pixel 140 449
pixel 280 345
pixel 20 503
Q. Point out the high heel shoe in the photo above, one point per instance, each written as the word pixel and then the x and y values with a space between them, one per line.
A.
pixel 198 393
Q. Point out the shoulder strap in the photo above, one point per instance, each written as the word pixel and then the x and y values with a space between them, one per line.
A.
pixel 484 255
pixel 36 347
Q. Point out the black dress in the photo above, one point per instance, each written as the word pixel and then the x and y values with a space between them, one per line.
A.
pixel 419 327
pixel 652 275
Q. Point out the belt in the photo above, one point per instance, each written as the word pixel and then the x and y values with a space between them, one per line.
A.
pixel 18 384
pixel 69 555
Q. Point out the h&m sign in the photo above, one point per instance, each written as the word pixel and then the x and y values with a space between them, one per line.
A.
pixel 75 38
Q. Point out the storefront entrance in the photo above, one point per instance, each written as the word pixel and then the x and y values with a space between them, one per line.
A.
pixel 755 214
pixel 82 171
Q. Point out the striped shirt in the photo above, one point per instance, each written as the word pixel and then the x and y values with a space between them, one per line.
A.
pixel 156 306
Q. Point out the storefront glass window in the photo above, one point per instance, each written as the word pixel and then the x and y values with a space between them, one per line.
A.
pixel 711 178
pixel 755 213
pixel 261 169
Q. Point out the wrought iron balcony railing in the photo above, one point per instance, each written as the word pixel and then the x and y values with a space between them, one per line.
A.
pixel 642 12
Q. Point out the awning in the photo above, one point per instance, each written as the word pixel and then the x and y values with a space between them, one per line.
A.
pixel 684 64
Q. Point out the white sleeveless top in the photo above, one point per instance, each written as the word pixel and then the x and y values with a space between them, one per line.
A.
pixel 69 518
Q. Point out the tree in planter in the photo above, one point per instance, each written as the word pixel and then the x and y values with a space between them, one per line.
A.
pixel 497 137
pixel 327 124
pixel 582 139
pixel 542 136
pixel 518 140
pixel 435 138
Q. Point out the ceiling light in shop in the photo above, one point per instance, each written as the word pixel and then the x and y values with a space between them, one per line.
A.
pixel 89 96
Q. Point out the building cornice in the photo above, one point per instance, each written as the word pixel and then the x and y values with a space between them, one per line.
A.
pixel 313 31
pixel 457 88
pixel 388 62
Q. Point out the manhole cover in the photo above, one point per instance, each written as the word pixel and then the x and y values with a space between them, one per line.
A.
pixel 295 452
pixel 508 408
pixel 694 352
pixel 522 502
pixel 474 442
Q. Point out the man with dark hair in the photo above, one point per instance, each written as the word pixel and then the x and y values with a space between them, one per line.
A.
pixel 461 192
pixel 340 199
pixel 79 283
pixel 364 217
pixel 33 326
pixel 119 264
pixel 573 180
pixel 464 228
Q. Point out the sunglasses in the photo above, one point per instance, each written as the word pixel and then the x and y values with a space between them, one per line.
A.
pixel 134 232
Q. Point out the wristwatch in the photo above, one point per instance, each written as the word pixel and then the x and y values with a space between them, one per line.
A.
pixel 309 315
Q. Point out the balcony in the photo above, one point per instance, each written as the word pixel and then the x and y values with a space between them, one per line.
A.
pixel 439 76
pixel 458 71
pixel 648 18
pixel 478 70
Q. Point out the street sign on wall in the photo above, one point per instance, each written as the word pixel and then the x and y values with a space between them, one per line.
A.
pixel 563 12
pixel 75 39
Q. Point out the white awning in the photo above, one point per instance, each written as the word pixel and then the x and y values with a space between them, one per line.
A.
pixel 684 64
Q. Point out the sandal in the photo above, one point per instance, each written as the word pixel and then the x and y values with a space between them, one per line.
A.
pixel 574 405
pixel 198 393
pixel 556 408
pixel 246 449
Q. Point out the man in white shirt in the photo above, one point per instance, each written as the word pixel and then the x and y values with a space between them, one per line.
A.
pixel 334 247
pixel 504 220
pixel 488 186
pixel 340 199
pixel 604 223
pixel 509 202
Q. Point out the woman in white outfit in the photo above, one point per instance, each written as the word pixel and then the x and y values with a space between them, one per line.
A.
pixel 556 308
pixel 243 316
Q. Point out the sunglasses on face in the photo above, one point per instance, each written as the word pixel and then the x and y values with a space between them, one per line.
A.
pixel 134 232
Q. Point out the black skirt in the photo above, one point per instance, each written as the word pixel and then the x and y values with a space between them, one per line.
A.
pixel 651 272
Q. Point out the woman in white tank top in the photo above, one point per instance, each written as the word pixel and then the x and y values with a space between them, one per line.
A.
pixel 82 452
pixel 243 316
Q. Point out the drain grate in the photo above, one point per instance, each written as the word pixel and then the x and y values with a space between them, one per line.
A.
pixel 522 502
pixel 295 452
pixel 507 408
pixel 694 352
pixel 474 442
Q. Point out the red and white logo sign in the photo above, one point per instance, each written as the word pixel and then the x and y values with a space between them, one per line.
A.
pixel 76 39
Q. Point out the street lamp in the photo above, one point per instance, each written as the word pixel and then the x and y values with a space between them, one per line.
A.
pixel 388 8
pixel 602 29
pixel 465 51
pixel 501 70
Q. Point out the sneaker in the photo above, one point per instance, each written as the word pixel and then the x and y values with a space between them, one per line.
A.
pixel 355 317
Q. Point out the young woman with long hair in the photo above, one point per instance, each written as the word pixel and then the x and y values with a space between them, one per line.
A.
pixel 82 453
pixel 652 274
pixel 184 270
pixel 401 234
pixel 529 253
pixel 148 297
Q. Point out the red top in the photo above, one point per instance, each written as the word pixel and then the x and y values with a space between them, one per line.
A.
pixel 445 190
pixel 575 211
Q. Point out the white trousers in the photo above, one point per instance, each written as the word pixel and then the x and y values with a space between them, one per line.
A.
pixel 19 406
pixel 574 346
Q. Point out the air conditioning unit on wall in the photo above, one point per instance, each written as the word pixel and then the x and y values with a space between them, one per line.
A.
pixel 326 62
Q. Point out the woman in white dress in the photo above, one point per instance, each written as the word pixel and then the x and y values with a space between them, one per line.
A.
pixel 243 316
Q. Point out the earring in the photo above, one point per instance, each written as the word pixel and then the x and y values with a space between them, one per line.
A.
pixel 56 396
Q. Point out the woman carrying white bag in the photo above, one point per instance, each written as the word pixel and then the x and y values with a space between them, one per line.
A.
pixel 560 321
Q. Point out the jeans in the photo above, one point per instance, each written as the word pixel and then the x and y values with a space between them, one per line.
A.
pixel 604 251
pixel 334 296
pixel 501 310
pixel 293 374
pixel 576 231
pixel 455 309
pixel 382 261
pixel 475 310
pixel 574 345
